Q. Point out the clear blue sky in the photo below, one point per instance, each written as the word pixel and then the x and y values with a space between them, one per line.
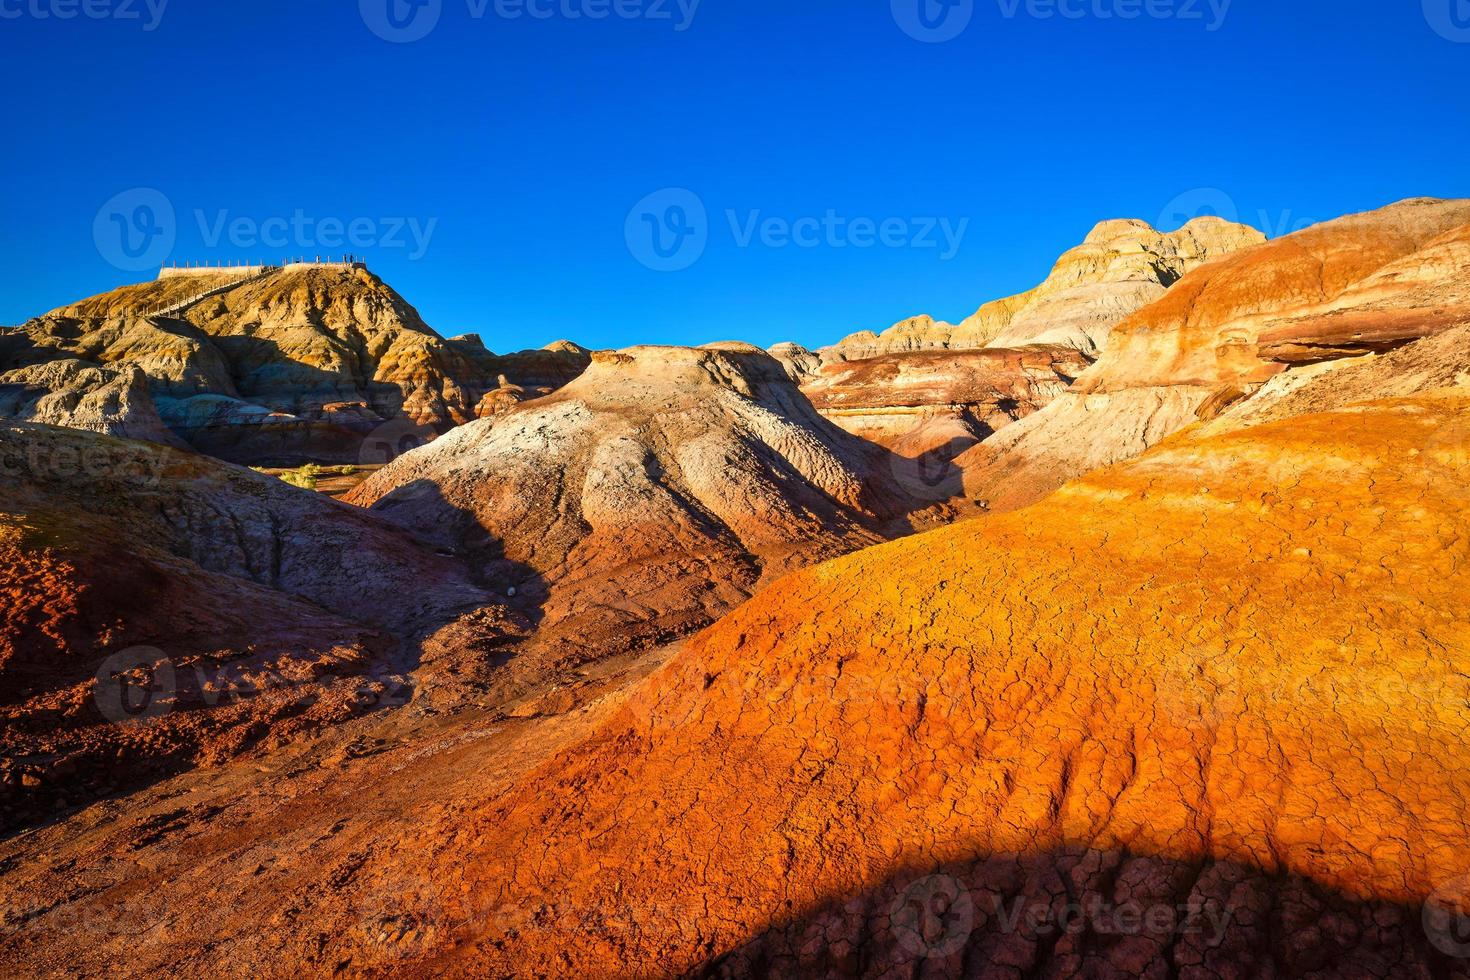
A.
pixel 526 141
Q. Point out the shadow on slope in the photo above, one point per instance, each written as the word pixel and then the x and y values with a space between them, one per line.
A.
pixel 163 610
pixel 1082 912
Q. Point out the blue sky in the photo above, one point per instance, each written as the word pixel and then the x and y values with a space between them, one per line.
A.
pixel 493 167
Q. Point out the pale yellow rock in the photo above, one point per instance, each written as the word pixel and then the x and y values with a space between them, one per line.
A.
pixel 1122 266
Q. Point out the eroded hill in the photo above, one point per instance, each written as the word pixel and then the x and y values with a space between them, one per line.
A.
pixel 1313 300
pixel 649 496
pixel 279 364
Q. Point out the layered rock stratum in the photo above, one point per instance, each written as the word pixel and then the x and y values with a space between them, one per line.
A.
pixel 1121 266
pixel 889 397
pixel 648 496
pixel 1361 284
pixel 282 364
pixel 934 389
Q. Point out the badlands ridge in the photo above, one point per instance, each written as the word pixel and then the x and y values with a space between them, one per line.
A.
pixel 1116 631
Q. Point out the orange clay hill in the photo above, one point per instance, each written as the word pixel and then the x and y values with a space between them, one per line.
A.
pixel 1227 681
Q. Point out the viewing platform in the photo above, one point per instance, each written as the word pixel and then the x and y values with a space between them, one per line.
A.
pixel 244 270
